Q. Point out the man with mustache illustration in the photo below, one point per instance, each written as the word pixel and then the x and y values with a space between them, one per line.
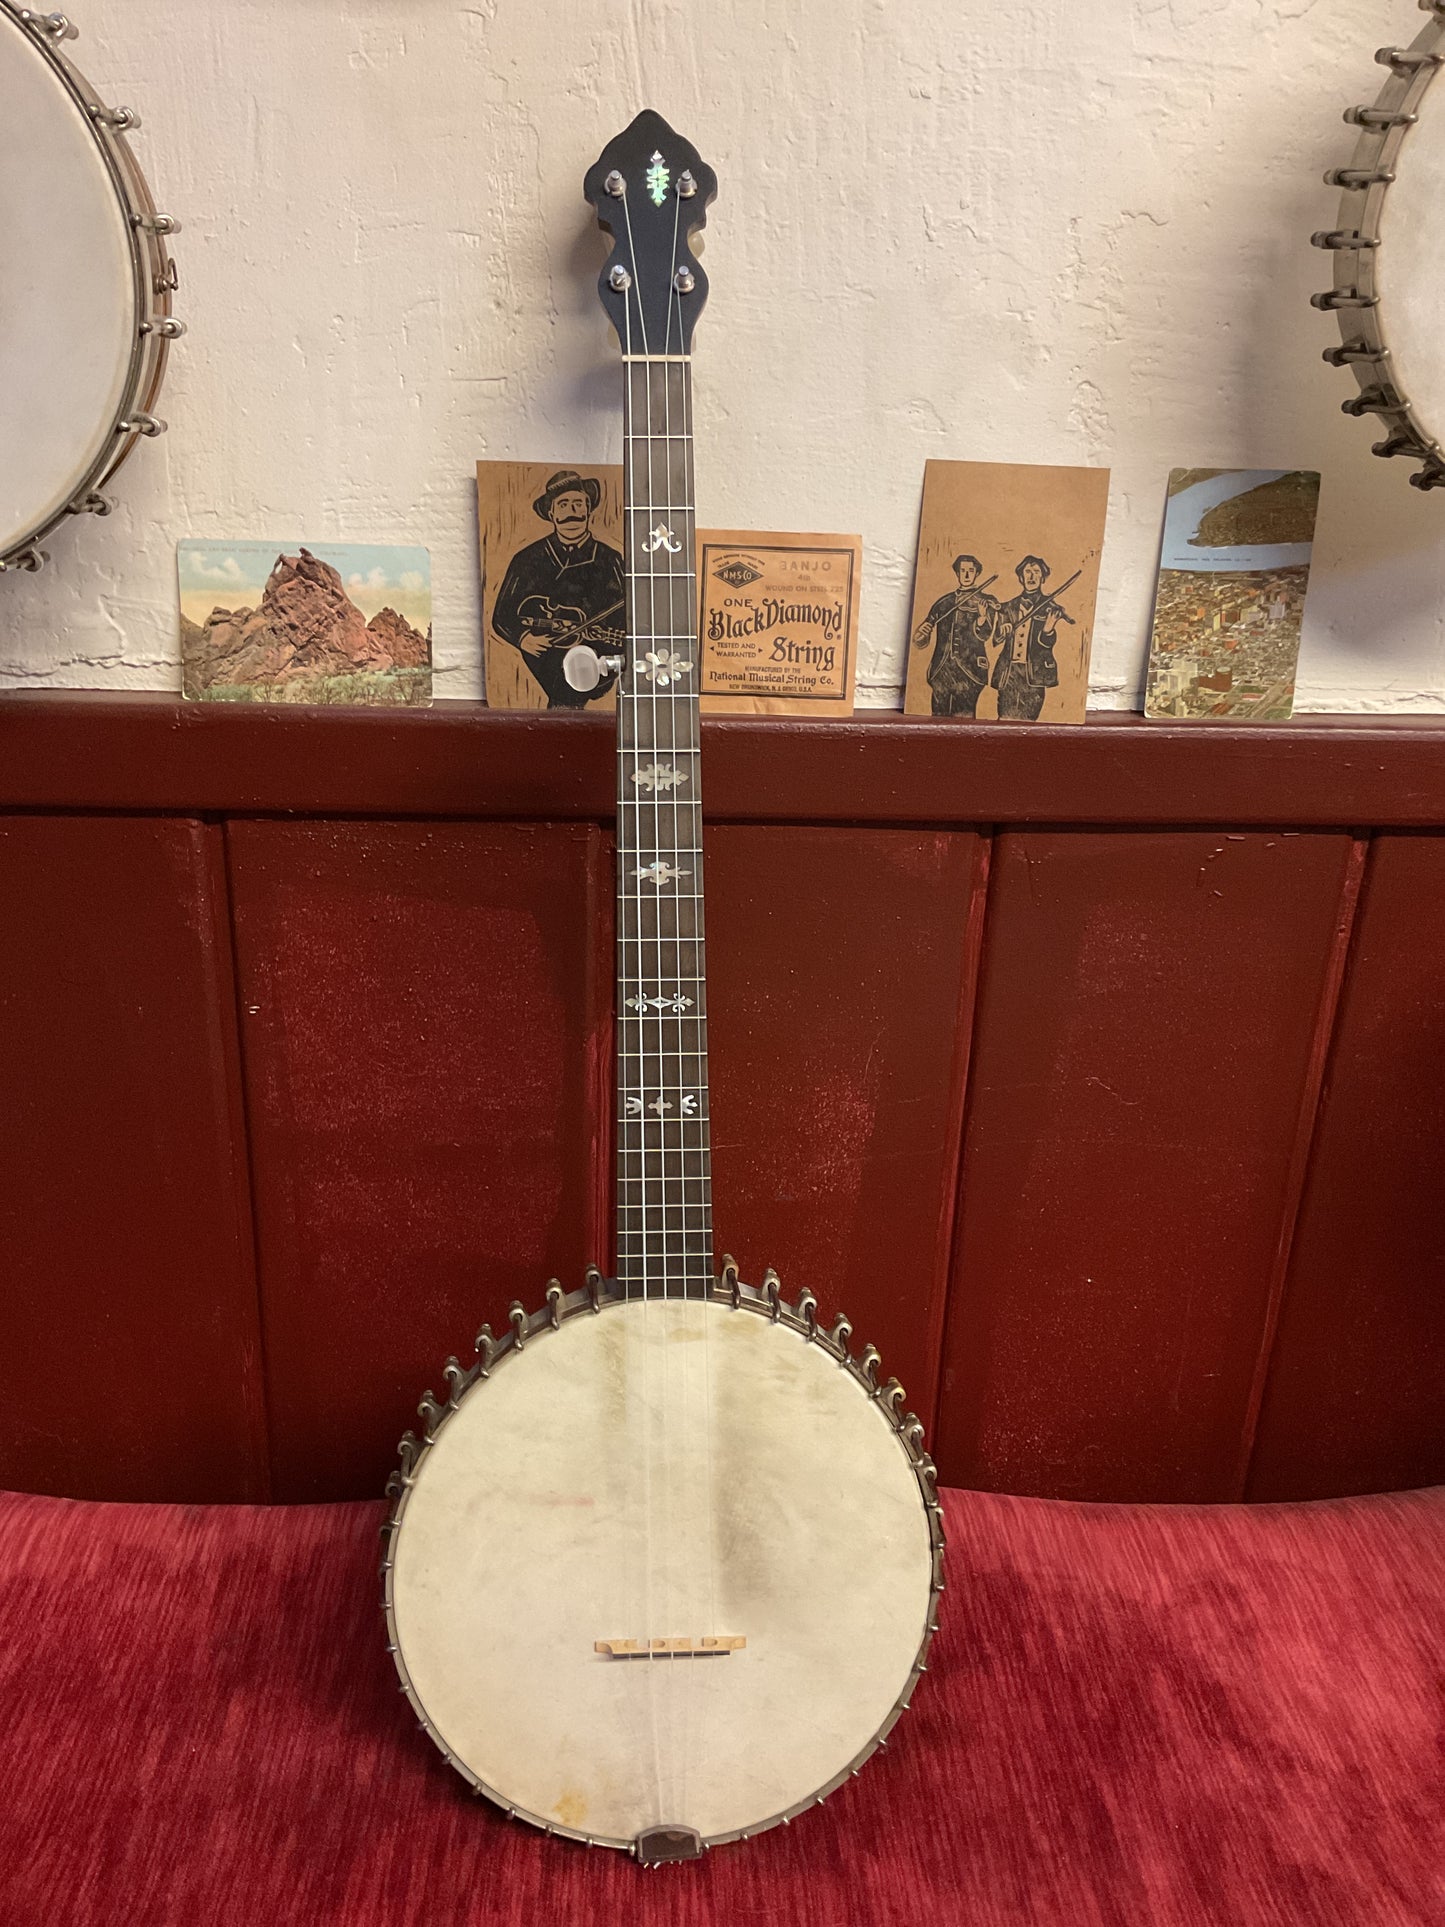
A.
pixel 563 589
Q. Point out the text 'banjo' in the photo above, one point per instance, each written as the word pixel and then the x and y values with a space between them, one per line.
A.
pixel 663 1569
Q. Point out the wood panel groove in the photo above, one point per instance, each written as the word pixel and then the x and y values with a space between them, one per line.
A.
pixel 1312 1087
pixel 258 1396
pixel 965 1041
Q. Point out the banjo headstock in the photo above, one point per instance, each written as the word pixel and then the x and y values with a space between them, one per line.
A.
pixel 651 190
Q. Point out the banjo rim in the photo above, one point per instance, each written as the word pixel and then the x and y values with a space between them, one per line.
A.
pixel 599 1295
pixel 153 282
pixel 1355 243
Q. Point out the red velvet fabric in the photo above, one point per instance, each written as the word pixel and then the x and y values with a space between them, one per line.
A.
pixel 1134 1715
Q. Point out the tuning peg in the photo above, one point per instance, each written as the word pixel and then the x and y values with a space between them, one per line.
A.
pixel 619 280
pixel 684 280
pixel 583 668
pixel 615 184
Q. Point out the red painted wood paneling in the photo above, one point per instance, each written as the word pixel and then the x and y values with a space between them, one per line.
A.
pixel 839 967
pixel 1356 1395
pixel 1146 1016
pixel 426 1038
pixel 129 1366
pixel 71 750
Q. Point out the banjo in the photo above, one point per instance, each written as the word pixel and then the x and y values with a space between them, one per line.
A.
pixel 662 1569
pixel 86 322
pixel 1390 235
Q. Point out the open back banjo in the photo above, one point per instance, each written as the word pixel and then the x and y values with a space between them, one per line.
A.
pixel 663 1569
pixel 85 319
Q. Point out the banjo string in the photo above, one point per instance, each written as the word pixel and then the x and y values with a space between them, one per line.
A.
pixel 680 703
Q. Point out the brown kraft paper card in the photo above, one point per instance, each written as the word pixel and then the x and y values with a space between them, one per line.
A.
pixel 552 576
pixel 778 622
pixel 1004 591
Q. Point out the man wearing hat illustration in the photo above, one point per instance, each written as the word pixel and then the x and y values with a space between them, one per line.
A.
pixel 564 589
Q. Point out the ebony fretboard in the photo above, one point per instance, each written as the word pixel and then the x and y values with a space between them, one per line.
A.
pixel 664 1191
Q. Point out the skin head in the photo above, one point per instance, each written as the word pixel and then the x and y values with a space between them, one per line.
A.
pixel 571 516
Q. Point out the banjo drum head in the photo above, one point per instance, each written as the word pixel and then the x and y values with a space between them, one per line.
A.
pixel 85 277
pixel 1410 265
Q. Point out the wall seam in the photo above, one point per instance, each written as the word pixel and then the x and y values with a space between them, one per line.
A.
pixel 951 1211
pixel 245 1160
pixel 1322 1048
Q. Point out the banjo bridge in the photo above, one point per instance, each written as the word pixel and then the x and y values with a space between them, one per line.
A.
pixel 703 1648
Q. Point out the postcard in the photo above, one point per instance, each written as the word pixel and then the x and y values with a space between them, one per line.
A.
pixel 281 622
pixel 1004 591
pixel 552 576
pixel 1233 570
pixel 779 622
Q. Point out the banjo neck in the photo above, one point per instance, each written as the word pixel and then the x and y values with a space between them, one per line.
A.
pixel 664 1177
pixel 651 190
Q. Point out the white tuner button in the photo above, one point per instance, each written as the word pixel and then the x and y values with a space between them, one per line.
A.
pixel 583 668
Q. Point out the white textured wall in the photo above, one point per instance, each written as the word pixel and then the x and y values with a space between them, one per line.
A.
pixel 1010 230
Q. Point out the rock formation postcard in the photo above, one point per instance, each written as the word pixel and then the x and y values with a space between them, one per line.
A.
pixel 551 541
pixel 272 622
pixel 1004 591
pixel 779 626
pixel 1233 571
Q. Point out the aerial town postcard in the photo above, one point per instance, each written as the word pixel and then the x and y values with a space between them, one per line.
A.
pixel 1233 571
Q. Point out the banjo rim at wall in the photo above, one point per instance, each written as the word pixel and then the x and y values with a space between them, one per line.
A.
pixel 90 324
pixel 1382 338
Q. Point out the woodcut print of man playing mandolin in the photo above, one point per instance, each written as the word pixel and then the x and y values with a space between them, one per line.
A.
pixel 563 589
